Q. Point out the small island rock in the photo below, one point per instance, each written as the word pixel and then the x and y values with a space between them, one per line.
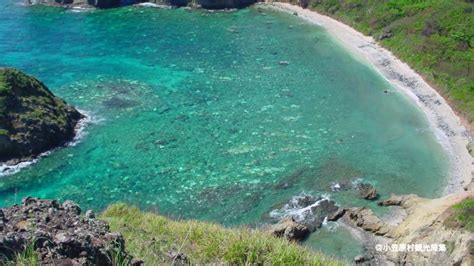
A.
pixel 367 191
pixel 32 119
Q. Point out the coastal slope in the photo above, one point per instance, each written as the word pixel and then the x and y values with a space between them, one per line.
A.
pixel 446 222
pixel 32 119
pixel 207 4
pixel 446 124
pixel 159 240
pixel 48 232
pixel 436 38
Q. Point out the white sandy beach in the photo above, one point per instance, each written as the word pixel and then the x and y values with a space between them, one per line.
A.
pixel 446 124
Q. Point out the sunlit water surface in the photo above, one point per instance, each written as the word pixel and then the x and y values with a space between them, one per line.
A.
pixel 195 117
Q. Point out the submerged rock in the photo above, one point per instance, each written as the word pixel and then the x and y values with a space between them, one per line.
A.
pixel 342 175
pixel 59 234
pixel 119 103
pixel 343 185
pixel 32 119
pixel 367 191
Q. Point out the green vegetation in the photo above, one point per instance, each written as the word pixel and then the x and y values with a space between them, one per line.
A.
pixel 28 257
pixel 463 215
pixel 29 111
pixel 150 237
pixel 435 37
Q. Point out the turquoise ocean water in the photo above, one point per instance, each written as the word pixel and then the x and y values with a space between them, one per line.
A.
pixel 194 116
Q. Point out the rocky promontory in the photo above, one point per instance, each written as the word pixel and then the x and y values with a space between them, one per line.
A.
pixel 430 233
pixel 59 235
pixel 32 119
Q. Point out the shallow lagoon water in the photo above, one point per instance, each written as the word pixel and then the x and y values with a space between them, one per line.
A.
pixel 194 116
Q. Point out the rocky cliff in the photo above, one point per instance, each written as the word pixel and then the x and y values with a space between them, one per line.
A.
pixel 32 119
pixel 429 233
pixel 59 235
pixel 207 4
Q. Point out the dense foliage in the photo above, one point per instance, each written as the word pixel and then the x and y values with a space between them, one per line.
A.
pixel 32 119
pixel 435 37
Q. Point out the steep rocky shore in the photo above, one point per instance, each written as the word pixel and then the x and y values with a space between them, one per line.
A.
pixel 422 237
pixel 207 4
pixel 32 119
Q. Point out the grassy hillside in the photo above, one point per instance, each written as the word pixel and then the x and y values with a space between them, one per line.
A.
pixel 435 37
pixel 151 237
pixel 462 215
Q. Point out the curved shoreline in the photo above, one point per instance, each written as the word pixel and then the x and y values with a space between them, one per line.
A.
pixel 10 169
pixel 446 125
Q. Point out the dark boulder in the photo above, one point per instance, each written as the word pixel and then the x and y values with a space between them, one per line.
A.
pixel 59 235
pixel 386 34
pixel 364 260
pixel 367 191
pixel 109 3
pixel 32 119
pixel 336 215
pixel 288 228
pixel 303 3
pixel 308 211
pixel 223 4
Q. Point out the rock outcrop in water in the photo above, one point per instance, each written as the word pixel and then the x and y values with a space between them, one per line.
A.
pixel 302 215
pixel 288 228
pixel 32 119
pixel 367 220
pixel 207 4
pixel 367 191
pixel 59 235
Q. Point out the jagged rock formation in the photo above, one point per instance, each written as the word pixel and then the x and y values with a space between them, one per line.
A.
pixel 32 119
pixel 424 226
pixel 288 228
pixel 367 220
pixel 302 215
pixel 59 234
pixel 367 191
